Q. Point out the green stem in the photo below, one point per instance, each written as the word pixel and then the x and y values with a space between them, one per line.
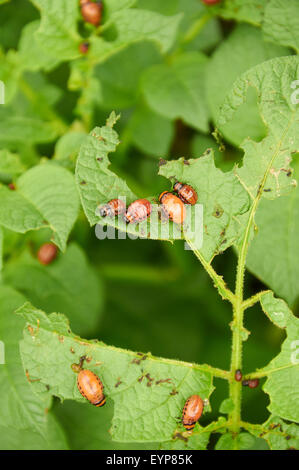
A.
pixel 254 299
pixel 237 324
pixel 219 283
pixel 196 28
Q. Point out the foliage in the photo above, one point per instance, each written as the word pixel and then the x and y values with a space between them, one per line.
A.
pixel 208 96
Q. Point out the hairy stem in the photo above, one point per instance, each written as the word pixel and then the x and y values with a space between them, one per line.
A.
pixel 218 281
pixel 254 299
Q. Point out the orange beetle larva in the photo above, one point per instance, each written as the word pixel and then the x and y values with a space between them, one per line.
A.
pixel 47 253
pixel 186 193
pixel 112 208
pixel 91 12
pixel 192 411
pixel 138 211
pixel 91 387
pixel 173 207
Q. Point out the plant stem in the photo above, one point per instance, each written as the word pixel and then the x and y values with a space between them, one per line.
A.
pixel 196 28
pixel 219 283
pixel 254 299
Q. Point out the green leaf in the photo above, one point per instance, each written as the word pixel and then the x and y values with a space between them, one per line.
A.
pixel 120 75
pixel 278 434
pixel 199 438
pixel 96 183
pixel 221 195
pixel 145 407
pixel 134 26
pixel 266 164
pixel 52 191
pixel 57 33
pixel 177 90
pixel 250 11
pixel 32 55
pixel 242 441
pixel 278 227
pixel 10 166
pixel 67 148
pixel 280 23
pixel 19 129
pixel 69 284
pixel 46 195
pixel 139 25
pixel 150 132
pixel 17 213
pixel 243 49
pixel 1 251
pixel 226 406
pixel 94 428
pixel 282 384
pixel 25 421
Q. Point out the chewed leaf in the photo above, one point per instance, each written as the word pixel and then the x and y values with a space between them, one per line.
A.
pixel 148 392
pixel 25 419
pixel 221 195
pixel 266 164
pixel 97 184
pixel 278 434
pixel 282 372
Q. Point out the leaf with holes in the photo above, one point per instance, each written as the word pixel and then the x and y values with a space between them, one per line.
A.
pixel 282 384
pixel 148 392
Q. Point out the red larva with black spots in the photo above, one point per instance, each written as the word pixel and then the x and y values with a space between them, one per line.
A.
pixel 113 208
pixel 90 386
pixel 192 411
pixel 138 211
pixel 186 193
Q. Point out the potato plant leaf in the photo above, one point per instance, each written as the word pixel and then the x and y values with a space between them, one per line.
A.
pixel 278 434
pixel 241 441
pixel 278 228
pixel 148 392
pixel 222 196
pixel 57 33
pixel 250 11
pixel 133 26
pixel 266 164
pixel 244 48
pixel 177 90
pixel 24 422
pixel 282 384
pixel 46 196
pixel 282 28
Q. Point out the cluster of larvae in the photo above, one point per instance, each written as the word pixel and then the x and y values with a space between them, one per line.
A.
pixel 172 205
